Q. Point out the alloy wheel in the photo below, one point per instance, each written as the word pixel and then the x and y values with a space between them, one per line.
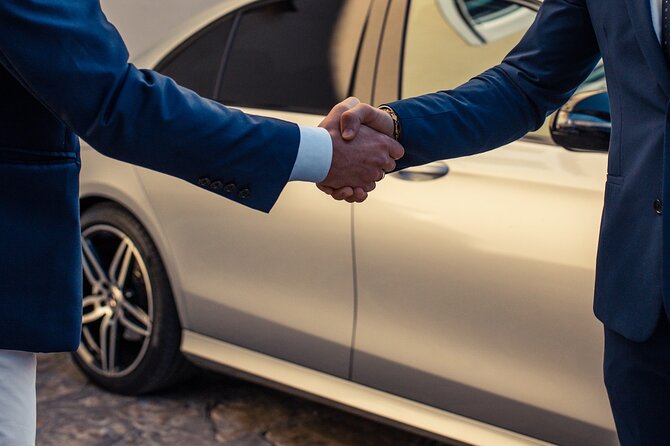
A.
pixel 118 305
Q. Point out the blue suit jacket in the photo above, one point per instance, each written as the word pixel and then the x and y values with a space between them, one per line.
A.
pixel 64 71
pixel 541 73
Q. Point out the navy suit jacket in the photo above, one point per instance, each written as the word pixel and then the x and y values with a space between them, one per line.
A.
pixel 63 72
pixel 502 104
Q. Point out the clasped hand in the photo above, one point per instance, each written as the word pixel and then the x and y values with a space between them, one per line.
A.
pixel 363 150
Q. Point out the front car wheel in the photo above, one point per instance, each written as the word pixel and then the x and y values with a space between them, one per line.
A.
pixel 130 327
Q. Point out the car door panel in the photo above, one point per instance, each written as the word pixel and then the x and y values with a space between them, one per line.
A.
pixel 475 291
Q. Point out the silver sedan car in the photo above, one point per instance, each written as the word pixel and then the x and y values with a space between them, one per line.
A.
pixel 455 301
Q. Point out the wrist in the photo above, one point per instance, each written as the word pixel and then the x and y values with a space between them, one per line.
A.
pixel 394 117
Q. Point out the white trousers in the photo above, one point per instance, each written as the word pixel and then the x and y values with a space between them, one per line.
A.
pixel 18 402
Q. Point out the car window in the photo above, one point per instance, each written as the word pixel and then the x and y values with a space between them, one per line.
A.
pixel 297 55
pixel 481 11
pixel 448 42
pixel 197 62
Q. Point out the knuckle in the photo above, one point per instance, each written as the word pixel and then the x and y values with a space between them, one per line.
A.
pixel 340 109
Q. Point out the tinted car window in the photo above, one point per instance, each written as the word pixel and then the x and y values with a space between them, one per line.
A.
pixel 481 11
pixel 196 63
pixel 445 47
pixel 295 55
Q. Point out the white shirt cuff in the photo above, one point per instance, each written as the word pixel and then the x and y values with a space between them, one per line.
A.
pixel 315 154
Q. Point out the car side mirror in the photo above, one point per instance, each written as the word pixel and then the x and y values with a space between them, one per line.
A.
pixel 583 123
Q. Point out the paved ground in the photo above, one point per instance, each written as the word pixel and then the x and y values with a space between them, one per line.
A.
pixel 210 410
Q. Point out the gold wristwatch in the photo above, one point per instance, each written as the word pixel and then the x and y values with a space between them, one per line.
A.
pixel 396 122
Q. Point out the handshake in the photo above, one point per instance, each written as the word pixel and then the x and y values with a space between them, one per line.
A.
pixel 364 150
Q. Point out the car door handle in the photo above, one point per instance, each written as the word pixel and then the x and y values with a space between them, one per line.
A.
pixel 428 172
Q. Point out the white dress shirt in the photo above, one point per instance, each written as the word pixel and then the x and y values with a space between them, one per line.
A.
pixel 315 154
pixel 656 16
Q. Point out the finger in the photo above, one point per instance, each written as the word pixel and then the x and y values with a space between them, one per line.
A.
pixel 343 193
pixel 396 151
pixel 359 195
pixel 325 189
pixel 389 166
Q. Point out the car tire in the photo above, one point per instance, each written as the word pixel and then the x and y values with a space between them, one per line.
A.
pixel 131 332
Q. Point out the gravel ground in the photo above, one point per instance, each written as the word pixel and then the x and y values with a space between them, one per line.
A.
pixel 209 410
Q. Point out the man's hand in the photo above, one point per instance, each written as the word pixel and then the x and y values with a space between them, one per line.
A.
pixel 363 157
pixel 365 115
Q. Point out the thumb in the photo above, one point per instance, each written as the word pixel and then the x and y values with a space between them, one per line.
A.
pixel 334 115
pixel 344 106
pixel 365 114
pixel 350 123
pixel 351 120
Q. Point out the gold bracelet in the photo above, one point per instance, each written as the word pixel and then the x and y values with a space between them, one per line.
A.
pixel 396 121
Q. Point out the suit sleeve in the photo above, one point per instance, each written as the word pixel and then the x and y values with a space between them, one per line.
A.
pixel 75 63
pixel 504 103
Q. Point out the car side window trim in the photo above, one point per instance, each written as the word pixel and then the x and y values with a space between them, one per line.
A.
pixel 226 52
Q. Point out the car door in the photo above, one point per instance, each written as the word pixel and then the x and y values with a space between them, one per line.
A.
pixel 278 283
pixel 475 275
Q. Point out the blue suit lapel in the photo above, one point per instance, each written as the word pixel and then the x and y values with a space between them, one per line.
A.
pixel 640 15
